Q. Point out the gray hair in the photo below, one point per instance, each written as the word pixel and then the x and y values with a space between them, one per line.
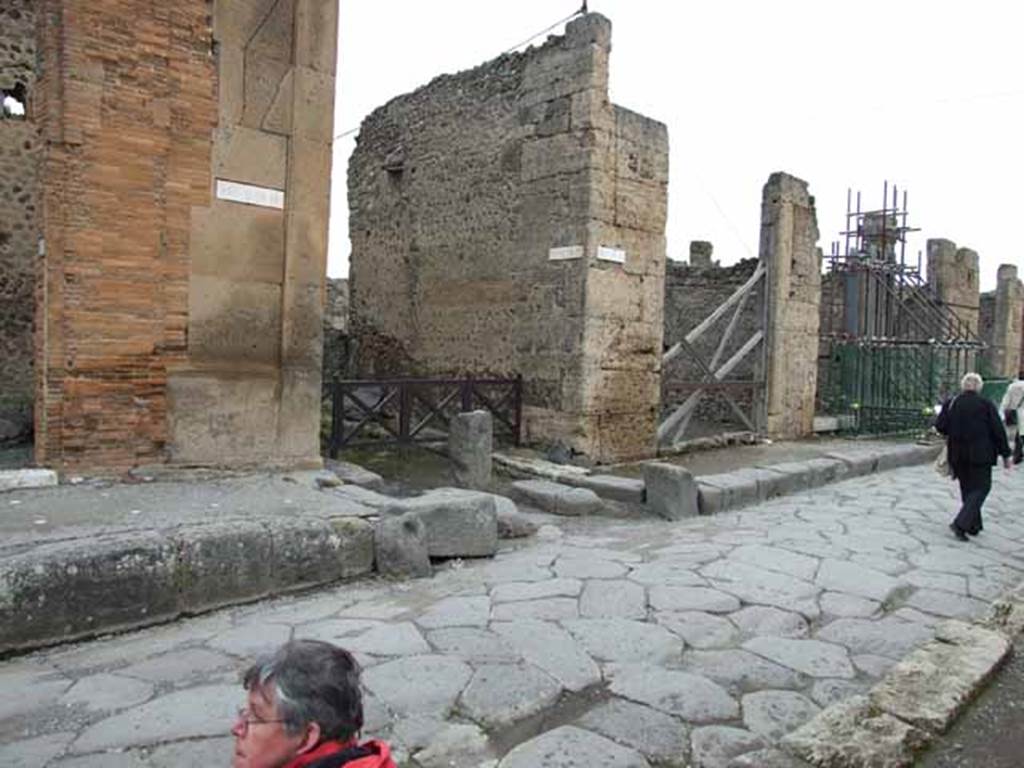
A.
pixel 313 682
pixel 971 382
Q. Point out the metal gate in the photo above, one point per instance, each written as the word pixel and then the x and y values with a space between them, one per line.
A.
pixel 713 377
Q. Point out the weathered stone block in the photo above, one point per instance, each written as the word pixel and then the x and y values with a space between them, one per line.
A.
pixel 470 441
pixel 222 563
pixel 400 546
pixel 853 733
pixel 711 499
pixel 740 488
pixel 906 456
pixel 355 474
pixel 58 592
pixel 14 479
pixel 629 490
pixel 459 523
pixel 556 498
pixel 309 552
pixel 671 491
pixel 512 524
pixel 932 685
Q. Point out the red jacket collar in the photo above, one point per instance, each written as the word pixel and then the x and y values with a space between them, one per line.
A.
pixel 325 749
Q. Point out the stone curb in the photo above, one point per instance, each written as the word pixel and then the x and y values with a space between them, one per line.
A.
pixel 21 479
pixel 69 590
pixel 917 700
pixel 751 485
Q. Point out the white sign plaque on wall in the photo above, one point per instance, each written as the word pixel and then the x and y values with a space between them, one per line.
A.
pixel 611 254
pixel 249 194
pixel 566 252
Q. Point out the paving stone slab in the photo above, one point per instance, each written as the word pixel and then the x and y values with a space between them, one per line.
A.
pixel 765 620
pixel 659 737
pixel 776 559
pixel 456 612
pixel 692 697
pixel 773 714
pixel 700 630
pixel 667 572
pixel 888 636
pixel 571 747
pixel 623 640
pixel 589 568
pixel 552 649
pixel 38 686
pixel 399 639
pixel 677 599
pixel 811 657
pixel 931 686
pixel 853 733
pixel 715 746
pixel 181 666
pixel 418 685
pixel 854 579
pixel 535 590
pixel 472 644
pixel 842 605
pixel 188 714
pixel 766 758
pixel 825 693
pixel 107 693
pixel 501 694
pixel 762 587
pixel 946 605
pixel 613 598
pixel 546 609
pixel 455 745
pixel 741 670
pixel 32 753
pixel 871 665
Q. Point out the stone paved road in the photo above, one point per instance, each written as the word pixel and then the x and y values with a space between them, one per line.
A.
pixel 600 643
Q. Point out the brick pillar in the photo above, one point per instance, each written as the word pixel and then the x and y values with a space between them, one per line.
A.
pixel 789 236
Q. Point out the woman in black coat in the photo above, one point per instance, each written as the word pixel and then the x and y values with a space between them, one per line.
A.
pixel 975 437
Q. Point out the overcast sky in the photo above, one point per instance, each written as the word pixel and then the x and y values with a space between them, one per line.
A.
pixel 928 94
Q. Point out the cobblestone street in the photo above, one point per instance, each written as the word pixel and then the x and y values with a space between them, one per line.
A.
pixel 597 643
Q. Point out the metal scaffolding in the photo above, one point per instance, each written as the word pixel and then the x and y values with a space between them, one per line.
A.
pixel 890 349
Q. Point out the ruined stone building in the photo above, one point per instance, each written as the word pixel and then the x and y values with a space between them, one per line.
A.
pixel 172 203
pixel 953 277
pixel 510 219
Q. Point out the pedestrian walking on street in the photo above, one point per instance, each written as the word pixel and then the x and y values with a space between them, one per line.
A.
pixel 304 710
pixel 975 438
pixel 1012 408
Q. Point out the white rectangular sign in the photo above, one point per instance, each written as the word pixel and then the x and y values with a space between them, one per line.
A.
pixel 249 194
pixel 566 252
pixel 611 254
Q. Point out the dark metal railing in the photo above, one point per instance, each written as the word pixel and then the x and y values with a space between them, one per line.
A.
pixel 375 412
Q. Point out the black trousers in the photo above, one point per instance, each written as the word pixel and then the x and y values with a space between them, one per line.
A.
pixel 975 483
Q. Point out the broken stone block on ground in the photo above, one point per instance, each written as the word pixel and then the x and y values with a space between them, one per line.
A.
pixel 459 523
pixel 556 498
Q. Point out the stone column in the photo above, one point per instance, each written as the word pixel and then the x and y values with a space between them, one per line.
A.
pixel 789 236
pixel 1003 354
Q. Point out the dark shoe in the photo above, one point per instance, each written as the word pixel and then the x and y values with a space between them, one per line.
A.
pixel 958 532
pixel 974 532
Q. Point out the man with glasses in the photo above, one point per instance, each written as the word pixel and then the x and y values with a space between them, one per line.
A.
pixel 304 710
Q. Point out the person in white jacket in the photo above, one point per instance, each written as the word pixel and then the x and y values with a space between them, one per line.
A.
pixel 1012 410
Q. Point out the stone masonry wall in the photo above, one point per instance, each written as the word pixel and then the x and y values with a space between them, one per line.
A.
pixel 953 276
pixel 789 236
pixel 177 323
pixel 336 334
pixel 19 229
pixel 1001 326
pixel 484 210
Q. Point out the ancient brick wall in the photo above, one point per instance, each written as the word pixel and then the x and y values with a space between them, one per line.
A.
pixel 509 219
pixel 692 293
pixel 185 221
pixel 19 229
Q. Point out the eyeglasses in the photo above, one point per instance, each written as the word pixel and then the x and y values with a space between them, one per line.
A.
pixel 246 718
